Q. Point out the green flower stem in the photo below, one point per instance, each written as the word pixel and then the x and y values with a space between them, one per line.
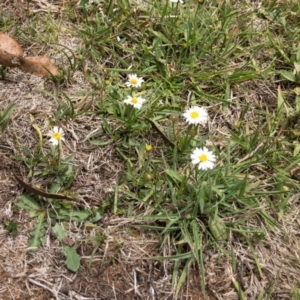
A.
pixel 187 138
pixel 59 152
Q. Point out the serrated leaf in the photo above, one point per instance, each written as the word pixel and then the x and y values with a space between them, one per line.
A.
pixel 27 202
pixel 217 228
pixel 73 259
pixel 76 215
pixel 35 240
pixel 59 232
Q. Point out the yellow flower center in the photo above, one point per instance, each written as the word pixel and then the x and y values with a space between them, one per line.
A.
pixel 203 157
pixel 107 82
pixel 134 100
pixel 148 147
pixel 133 81
pixel 56 135
pixel 194 115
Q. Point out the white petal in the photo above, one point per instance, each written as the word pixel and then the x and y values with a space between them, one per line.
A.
pixel 195 156
pixel 209 165
pixel 201 167
pixel 195 161
pixel 54 141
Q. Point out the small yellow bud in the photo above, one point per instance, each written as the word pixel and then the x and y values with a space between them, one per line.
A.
pixel 107 82
pixel 149 176
pixel 148 147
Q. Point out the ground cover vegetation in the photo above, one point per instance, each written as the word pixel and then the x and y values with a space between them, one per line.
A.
pixel 194 109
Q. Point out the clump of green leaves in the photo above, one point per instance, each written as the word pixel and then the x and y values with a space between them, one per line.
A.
pixel 59 211
pixel 294 60
pixel 55 202
pixel 11 227
pixel 72 258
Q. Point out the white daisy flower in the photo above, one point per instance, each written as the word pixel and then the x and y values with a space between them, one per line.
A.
pixel 196 115
pixel 134 81
pixel 204 158
pixel 176 1
pixel 56 135
pixel 136 102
